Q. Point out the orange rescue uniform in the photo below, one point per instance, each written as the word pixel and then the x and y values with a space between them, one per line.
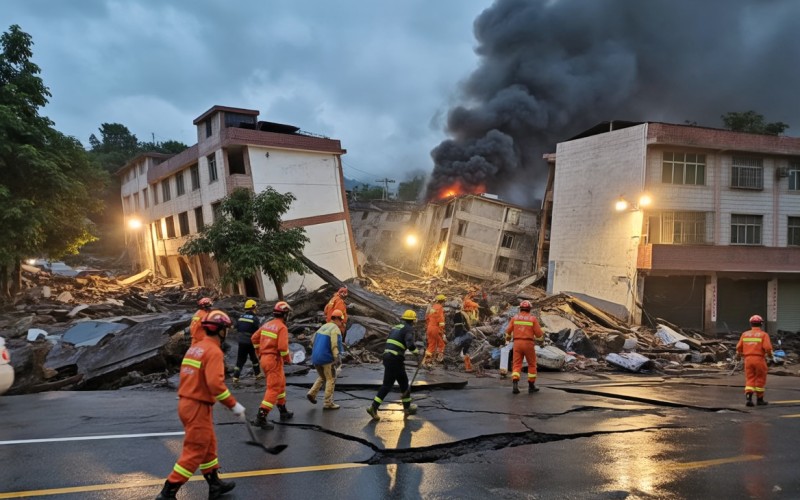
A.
pixel 202 383
pixel 272 345
pixel 524 329
pixel 196 326
pixel 337 302
pixel 434 322
pixel 754 345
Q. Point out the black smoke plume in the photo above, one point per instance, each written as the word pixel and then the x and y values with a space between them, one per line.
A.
pixel 550 69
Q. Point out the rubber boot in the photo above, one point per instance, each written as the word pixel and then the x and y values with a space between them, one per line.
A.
pixel 761 402
pixel 236 375
pixel 515 387
pixel 749 400
pixel 170 490
pixel 216 486
pixel 373 411
pixel 261 420
pixel 532 387
pixel 467 364
pixel 285 414
pixel 411 409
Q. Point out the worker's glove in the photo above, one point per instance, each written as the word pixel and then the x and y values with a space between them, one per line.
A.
pixel 774 360
pixel 238 410
pixel 415 352
pixel 508 339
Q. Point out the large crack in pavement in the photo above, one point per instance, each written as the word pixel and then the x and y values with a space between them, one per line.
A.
pixel 656 402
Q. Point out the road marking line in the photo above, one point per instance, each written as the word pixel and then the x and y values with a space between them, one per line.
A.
pixel 712 463
pixel 90 438
pixel 796 415
pixel 160 482
pixel 790 401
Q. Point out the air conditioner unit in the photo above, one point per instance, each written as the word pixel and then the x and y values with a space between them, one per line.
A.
pixel 781 172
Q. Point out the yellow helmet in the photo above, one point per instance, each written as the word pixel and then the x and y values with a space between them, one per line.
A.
pixel 440 298
pixel 250 304
pixel 409 315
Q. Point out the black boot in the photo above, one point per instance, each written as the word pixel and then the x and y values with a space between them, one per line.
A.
pixel 216 486
pixel 761 402
pixel 749 400
pixel 532 387
pixel 285 414
pixel 261 420
pixel 515 387
pixel 170 490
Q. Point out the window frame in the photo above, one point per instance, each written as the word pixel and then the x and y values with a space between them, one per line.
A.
pixel 194 172
pixel 793 174
pixel 681 162
pixel 793 231
pixel 183 223
pixel 166 192
pixel 502 264
pixel 510 238
pixel 747 171
pixel 456 253
pixel 199 219
pixel 180 186
pixel 741 225
pixel 213 174
pixel 145 198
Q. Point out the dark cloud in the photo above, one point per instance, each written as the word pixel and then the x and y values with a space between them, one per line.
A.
pixel 550 69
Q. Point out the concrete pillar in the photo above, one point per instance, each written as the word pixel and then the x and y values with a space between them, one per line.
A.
pixel 710 314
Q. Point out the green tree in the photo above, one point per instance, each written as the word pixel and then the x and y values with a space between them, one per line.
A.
pixel 365 192
pixel 412 189
pixel 48 186
pixel 752 122
pixel 248 236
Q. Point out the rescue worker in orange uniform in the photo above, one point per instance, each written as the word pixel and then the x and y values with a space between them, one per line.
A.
pixel 195 329
pixel 337 304
pixel 470 307
pixel 202 383
pixel 524 329
pixel 434 327
pixel 272 345
pixel 754 345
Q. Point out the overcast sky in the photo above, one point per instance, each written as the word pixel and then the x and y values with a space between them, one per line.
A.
pixel 379 76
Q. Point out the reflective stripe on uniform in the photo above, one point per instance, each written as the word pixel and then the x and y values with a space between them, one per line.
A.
pixel 749 388
pixel 284 353
pixel 267 404
pixel 195 318
pixel 396 342
pixel 515 374
pixel 531 375
pixel 246 320
pixel 406 400
pixel 192 362
pixel 282 395
pixel 758 389
pixel 183 472
pixel 224 395
pixel 441 323
pixel 269 334
pixel 523 323
pixel 256 346
pixel 752 339
pixel 378 400
pixel 210 464
pixel 391 351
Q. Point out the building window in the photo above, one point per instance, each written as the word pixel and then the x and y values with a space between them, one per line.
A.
pixel 170 223
pixel 794 231
pixel 364 215
pixel 159 230
pixel 449 211
pixel 212 168
pixel 681 228
pixel 155 194
pixel 208 128
pixel 462 228
pixel 794 176
pixel 747 173
pixel 180 189
pixel 216 211
pixel 236 162
pixel 387 235
pixel 198 218
pixel 508 240
pixel 135 202
pixel 126 204
pixel 746 229
pixel 165 192
pixel 145 198
pixel 366 233
pixel 443 234
pixel 515 267
pixel 512 216
pixel 683 168
pixel 183 222
pixel 455 253
pixel 502 265
pixel 394 216
pixel 194 171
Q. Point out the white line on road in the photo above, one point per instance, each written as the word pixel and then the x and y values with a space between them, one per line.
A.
pixel 90 438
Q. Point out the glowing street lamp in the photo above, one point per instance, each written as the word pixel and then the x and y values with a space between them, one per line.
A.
pixel 622 204
pixel 134 223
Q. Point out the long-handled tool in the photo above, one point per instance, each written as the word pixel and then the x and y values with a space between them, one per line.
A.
pixel 274 450
pixel 735 367
pixel 408 391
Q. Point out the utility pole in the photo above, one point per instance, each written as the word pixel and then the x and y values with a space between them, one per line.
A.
pixel 385 182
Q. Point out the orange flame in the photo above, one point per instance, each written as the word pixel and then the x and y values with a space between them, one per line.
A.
pixel 458 189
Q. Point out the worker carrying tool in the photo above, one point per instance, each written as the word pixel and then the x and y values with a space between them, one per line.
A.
pixel 325 356
pixel 434 329
pixel 462 338
pixel 271 342
pixel 246 326
pixel 754 345
pixel 524 329
pixel 401 338
pixel 195 329
pixel 471 307
pixel 202 383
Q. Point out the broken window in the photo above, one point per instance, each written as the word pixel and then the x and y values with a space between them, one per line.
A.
pixel 462 228
pixel 165 192
pixel 683 168
pixel 508 240
pixel 449 212
pixel 515 267
pixel 746 229
pixel 747 173
pixel 145 198
pixel 455 253
pixel 183 222
pixel 512 216
pixel 195 174
pixel 236 162
pixel 364 215
pixel 212 168
pixel 502 265
pixel 198 218
pixel 794 231
pixel 180 189
pixel 208 128
pixel 216 210
pixel 170 223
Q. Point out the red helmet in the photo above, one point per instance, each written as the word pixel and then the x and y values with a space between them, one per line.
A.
pixel 525 305
pixel 337 314
pixel 216 321
pixel 282 308
pixel 756 319
pixel 342 292
pixel 205 303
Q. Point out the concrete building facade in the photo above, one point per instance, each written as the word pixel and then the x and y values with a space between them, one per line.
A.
pixel 175 196
pixel 382 230
pixel 720 240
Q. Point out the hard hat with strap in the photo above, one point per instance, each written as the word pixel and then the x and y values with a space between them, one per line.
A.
pixel 250 304
pixel 440 298
pixel 409 315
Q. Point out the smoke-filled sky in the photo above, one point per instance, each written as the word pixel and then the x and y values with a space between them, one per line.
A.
pixel 488 87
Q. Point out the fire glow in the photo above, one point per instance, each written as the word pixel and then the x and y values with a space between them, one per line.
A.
pixel 457 189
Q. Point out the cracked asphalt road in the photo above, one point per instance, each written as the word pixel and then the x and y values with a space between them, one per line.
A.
pixel 581 436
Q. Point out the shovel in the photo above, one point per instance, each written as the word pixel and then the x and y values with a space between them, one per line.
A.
pixel 255 442
pixel 408 391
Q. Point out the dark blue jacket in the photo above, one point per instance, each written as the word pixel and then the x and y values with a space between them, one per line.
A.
pixel 247 325
pixel 400 338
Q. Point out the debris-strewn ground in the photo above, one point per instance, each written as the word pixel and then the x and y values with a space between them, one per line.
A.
pixel 107 332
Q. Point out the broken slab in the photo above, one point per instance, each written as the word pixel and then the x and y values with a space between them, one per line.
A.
pixel 89 333
pixel 135 278
pixel 630 361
